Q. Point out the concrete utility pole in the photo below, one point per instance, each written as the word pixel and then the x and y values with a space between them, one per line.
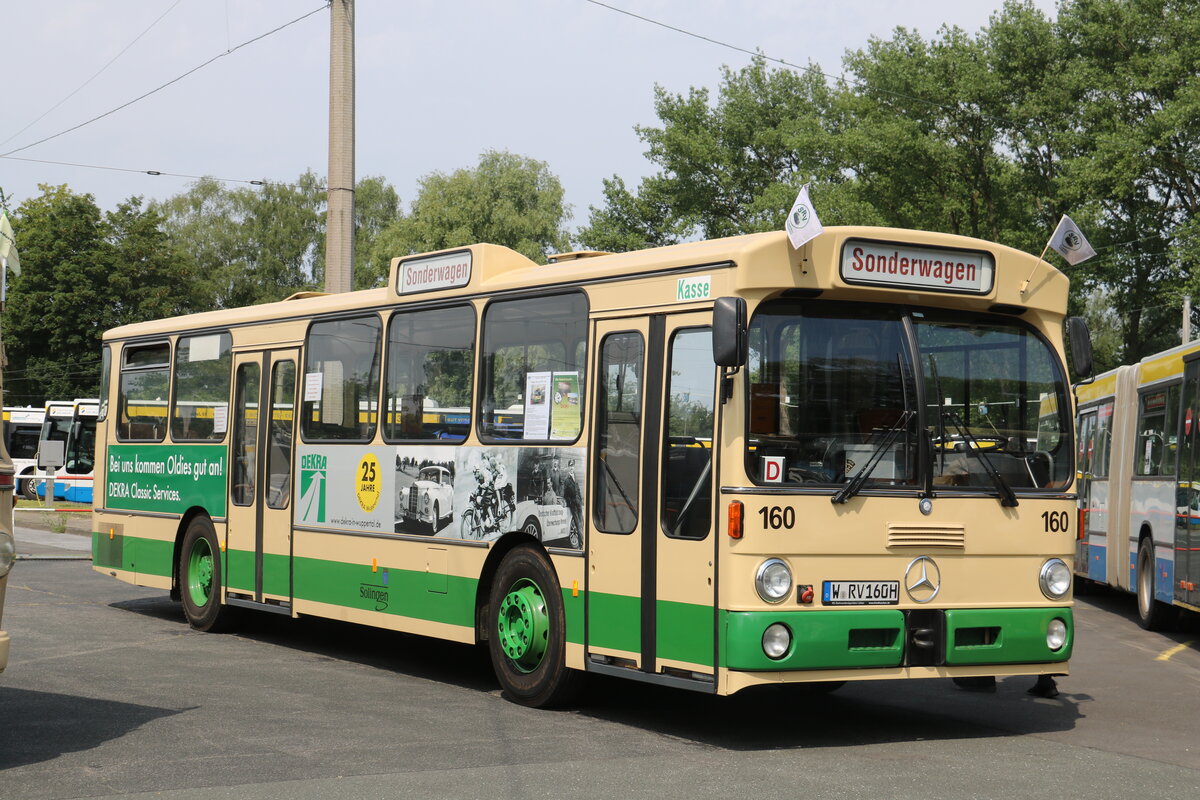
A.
pixel 339 219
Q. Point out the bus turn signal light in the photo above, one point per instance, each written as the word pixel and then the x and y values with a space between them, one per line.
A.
pixel 735 519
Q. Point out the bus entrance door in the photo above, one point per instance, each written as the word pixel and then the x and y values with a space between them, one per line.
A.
pixel 258 547
pixel 650 550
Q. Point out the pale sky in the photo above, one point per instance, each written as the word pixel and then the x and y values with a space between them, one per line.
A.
pixel 438 82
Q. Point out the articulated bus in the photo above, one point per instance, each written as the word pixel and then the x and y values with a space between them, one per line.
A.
pixel 713 465
pixel 72 422
pixel 22 431
pixel 1139 483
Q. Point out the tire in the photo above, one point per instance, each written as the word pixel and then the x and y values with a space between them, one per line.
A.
pixel 574 539
pixel 200 578
pixel 527 631
pixel 437 517
pixel 28 489
pixel 1152 615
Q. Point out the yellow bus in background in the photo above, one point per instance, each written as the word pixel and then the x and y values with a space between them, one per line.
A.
pixel 1139 486
pixel 712 466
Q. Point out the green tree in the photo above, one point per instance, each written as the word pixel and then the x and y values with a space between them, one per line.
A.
pixel 84 272
pixel 257 245
pixel 507 199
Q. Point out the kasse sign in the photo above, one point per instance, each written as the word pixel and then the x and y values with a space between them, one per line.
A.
pixel 903 266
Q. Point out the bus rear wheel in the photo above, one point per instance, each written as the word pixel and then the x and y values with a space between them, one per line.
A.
pixel 200 578
pixel 28 488
pixel 1152 615
pixel 527 631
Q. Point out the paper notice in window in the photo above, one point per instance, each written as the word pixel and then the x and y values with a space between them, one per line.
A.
pixel 204 348
pixel 537 405
pixel 312 386
pixel 220 419
pixel 565 408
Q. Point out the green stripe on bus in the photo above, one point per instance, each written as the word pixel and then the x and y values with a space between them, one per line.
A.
pixel 422 595
pixel 615 621
pixel 133 554
pixel 1004 635
pixel 387 590
pixel 685 632
pixel 820 639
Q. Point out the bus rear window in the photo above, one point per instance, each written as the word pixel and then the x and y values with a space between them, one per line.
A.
pixel 341 380
pixel 142 398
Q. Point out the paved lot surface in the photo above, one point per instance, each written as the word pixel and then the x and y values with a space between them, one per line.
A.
pixel 109 694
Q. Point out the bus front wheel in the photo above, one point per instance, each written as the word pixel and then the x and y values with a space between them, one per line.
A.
pixel 527 631
pixel 1152 615
pixel 200 578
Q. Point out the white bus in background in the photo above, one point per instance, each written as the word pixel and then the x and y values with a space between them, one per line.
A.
pixel 22 431
pixel 72 422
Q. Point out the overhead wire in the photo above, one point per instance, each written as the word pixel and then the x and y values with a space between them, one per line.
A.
pixel 96 75
pixel 168 83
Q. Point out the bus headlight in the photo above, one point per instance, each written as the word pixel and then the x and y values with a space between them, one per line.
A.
pixel 1056 634
pixel 8 553
pixel 1055 579
pixel 776 640
pixel 773 580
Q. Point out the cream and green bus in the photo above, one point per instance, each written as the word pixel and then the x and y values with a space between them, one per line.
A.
pixel 713 465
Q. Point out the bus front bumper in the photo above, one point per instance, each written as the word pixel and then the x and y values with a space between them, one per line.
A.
pixel 823 639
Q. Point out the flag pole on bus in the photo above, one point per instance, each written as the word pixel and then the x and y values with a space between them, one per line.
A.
pixel 1069 242
pixel 802 224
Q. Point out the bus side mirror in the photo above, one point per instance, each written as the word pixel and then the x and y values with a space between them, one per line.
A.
pixel 729 331
pixel 1081 347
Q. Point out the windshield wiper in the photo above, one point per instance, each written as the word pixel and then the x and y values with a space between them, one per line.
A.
pixel 1007 498
pixel 856 483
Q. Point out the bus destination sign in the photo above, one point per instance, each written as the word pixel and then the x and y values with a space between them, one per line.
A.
pixel 445 271
pixel 908 267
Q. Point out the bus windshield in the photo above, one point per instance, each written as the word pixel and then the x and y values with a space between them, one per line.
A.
pixel 835 398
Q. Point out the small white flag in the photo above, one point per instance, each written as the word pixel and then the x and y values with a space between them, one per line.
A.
pixel 8 245
pixel 1070 242
pixel 802 223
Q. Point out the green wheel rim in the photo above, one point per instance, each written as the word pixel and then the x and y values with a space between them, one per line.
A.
pixel 524 625
pixel 200 573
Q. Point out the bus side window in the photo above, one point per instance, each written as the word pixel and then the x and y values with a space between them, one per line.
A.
pixel 143 392
pixel 533 361
pixel 687 457
pixel 430 367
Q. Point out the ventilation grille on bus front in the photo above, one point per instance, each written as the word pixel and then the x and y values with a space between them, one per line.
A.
pixel 923 535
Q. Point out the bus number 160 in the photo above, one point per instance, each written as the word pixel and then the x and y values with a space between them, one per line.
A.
pixel 776 517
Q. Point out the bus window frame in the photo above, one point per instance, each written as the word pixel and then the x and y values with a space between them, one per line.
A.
pixel 302 367
pixel 1170 427
pixel 175 386
pixel 481 356
pixel 601 425
pixel 385 377
pixel 105 380
pixel 126 347
pixel 665 439
pixel 1067 441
